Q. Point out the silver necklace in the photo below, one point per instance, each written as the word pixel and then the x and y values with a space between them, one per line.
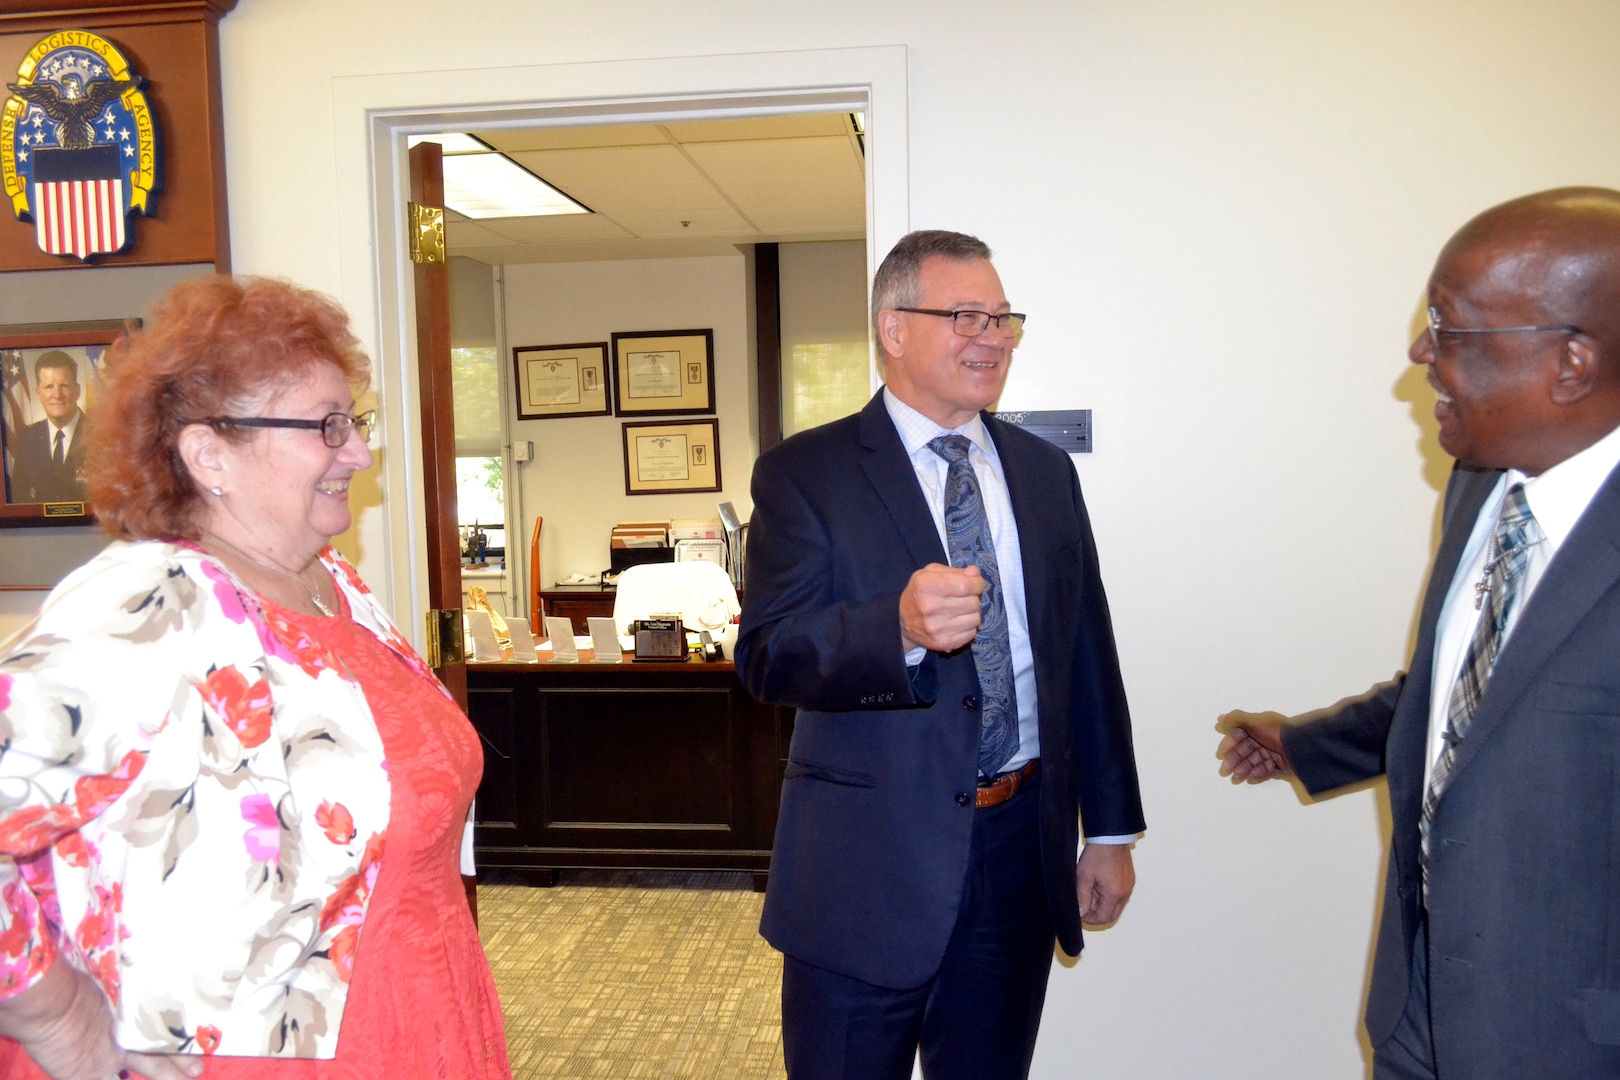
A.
pixel 313 590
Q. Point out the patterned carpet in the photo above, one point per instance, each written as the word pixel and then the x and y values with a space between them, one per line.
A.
pixel 621 975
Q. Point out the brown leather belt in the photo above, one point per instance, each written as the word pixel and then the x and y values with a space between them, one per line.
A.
pixel 997 791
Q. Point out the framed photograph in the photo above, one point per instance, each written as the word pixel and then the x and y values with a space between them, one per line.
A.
pixel 48 376
pixel 664 371
pixel 562 380
pixel 664 458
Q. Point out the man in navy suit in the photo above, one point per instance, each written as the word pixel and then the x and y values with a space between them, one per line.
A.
pixel 1498 956
pixel 914 895
pixel 48 456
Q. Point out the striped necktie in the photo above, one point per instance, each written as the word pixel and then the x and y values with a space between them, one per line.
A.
pixel 1507 557
pixel 968 541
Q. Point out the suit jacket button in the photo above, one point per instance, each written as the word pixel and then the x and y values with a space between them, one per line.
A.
pixel 970 702
pixel 963 799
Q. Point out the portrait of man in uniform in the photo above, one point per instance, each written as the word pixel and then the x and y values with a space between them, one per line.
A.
pixel 46 427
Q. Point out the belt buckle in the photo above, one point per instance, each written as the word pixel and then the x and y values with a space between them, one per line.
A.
pixel 1004 787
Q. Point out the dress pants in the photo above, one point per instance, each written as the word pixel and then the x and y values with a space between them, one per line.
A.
pixel 1408 1054
pixel 976 1019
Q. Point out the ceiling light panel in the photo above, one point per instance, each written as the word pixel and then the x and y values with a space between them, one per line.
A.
pixel 481 183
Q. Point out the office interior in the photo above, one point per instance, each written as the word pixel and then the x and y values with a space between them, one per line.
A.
pixel 1219 217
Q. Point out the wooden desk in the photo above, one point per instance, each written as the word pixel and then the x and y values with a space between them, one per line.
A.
pixel 632 765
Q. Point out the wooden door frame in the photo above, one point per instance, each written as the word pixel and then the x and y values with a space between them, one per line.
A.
pixel 435 400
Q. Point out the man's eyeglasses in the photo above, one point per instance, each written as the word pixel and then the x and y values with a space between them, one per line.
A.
pixel 974 323
pixel 334 427
pixel 1435 329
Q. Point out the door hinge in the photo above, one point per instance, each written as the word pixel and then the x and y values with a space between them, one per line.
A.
pixel 445 645
pixel 427 233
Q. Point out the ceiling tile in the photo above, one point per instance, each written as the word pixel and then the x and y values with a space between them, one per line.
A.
pixel 847 217
pixel 555 229
pixel 459 233
pixel 759 127
pixel 623 179
pixel 768 179
pixel 603 252
pixel 704 221
pixel 736 181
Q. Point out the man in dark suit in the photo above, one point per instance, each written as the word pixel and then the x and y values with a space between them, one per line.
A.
pixel 48 456
pixel 955 721
pixel 1499 951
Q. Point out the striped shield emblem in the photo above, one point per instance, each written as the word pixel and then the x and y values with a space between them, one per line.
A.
pixel 79 201
pixel 79 146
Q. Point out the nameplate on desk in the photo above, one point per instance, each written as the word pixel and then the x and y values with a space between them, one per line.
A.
pixel 561 632
pixel 660 637
pixel 522 641
pixel 605 640
pixel 485 648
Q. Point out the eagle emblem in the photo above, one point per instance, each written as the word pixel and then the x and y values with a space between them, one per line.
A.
pixel 78 145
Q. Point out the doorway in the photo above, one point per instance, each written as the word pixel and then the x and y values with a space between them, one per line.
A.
pixel 385 110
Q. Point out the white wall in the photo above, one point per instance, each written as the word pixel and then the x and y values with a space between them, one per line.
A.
pixel 576 480
pixel 1219 217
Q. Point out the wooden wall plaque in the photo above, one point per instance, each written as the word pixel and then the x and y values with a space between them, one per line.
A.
pixel 175 47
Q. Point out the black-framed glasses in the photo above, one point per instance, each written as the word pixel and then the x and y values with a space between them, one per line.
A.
pixel 334 427
pixel 1435 329
pixel 969 323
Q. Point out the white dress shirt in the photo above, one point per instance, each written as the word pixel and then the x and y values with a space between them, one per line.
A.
pixel 1557 498
pixel 69 431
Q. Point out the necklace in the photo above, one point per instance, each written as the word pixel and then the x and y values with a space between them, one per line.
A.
pixel 1494 555
pixel 309 587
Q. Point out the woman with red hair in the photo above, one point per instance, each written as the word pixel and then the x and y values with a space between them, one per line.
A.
pixel 231 796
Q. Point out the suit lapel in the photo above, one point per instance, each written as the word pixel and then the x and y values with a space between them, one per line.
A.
pixel 1586 567
pixel 888 469
pixel 1020 473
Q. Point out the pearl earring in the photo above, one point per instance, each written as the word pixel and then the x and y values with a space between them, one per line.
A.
pixel 216 491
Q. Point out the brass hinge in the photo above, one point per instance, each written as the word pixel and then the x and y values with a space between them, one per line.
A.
pixel 427 233
pixel 444 641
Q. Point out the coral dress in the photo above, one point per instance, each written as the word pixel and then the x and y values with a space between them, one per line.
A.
pixel 422 1003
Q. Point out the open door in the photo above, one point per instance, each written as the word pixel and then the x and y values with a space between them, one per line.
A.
pixel 431 284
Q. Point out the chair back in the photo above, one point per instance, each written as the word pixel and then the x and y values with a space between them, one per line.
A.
pixel 700 592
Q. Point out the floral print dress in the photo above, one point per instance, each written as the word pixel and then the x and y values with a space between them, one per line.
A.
pixel 196 796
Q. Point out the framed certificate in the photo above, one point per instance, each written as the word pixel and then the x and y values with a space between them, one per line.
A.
pixel 562 380
pixel 663 458
pixel 663 371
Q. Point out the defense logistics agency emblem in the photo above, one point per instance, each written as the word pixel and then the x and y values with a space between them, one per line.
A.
pixel 78 145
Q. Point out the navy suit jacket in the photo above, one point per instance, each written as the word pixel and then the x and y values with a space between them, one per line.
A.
pixel 877 805
pixel 35 477
pixel 1524 871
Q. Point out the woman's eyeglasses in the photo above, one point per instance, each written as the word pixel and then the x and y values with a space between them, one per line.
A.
pixel 334 427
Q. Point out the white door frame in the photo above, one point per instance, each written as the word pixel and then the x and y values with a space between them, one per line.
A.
pixel 373 115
